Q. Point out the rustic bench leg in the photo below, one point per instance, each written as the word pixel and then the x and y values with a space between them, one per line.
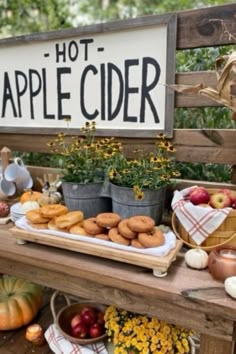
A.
pixel 213 345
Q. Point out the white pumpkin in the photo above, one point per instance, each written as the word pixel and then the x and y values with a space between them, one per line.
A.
pixel 196 258
pixel 230 286
pixel 29 205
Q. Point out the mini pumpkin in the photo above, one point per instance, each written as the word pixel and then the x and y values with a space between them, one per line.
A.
pixel 48 197
pixel 30 196
pixel 20 301
pixel 196 258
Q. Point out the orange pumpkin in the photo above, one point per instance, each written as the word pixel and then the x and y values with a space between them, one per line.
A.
pixel 30 196
pixel 20 301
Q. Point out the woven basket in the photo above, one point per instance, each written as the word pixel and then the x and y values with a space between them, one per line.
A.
pixel 225 234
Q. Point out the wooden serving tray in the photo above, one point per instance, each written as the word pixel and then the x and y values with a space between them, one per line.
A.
pixel 159 265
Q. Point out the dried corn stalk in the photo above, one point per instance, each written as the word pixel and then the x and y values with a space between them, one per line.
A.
pixel 225 92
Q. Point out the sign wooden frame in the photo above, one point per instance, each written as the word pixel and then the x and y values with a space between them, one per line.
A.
pixel 144 103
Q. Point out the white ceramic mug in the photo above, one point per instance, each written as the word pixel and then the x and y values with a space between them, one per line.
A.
pixel 7 188
pixel 27 183
pixel 17 172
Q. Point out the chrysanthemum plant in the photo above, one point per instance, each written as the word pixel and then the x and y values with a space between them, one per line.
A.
pixel 151 170
pixel 84 159
pixel 137 334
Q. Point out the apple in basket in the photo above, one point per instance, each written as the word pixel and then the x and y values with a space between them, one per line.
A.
pixel 89 323
pixel 220 200
pixel 199 195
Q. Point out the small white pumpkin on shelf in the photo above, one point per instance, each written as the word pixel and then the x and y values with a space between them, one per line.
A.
pixel 230 286
pixel 196 258
pixel 29 205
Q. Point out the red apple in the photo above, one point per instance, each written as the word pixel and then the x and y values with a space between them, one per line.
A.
pixel 89 317
pixel 220 200
pixel 80 331
pixel 100 317
pixel 199 195
pixel 87 308
pixel 75 321
pixel 96 330
pixel 4 209
pixel 232 195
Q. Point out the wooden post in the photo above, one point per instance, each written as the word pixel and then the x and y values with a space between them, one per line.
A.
pixel 5 157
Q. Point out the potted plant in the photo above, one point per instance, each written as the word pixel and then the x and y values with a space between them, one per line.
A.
pixel 84 160
pixel 133 334
pixel 138 186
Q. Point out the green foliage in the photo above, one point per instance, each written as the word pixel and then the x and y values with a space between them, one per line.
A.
pixel 21 17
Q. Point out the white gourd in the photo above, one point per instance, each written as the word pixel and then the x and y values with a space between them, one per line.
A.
pixel 29 205
pixel 196 258
pixel 230 286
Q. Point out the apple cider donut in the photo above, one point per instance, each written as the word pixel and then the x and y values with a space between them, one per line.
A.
pixel 141 223
pixel 135 243
pixel 69 219
pixel 104 237
pixel 125 230
pixel 116 237
pixel 54 227
pixel 77 229
pixel 154 238
pixel 90 225
pixel 108 220
pixel 52 210
pixel 34 217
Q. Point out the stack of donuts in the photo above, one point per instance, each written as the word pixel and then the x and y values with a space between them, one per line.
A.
pixel 137 231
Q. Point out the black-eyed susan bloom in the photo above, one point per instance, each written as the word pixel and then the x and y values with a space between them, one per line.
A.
pixel 151 170
pixel 84 158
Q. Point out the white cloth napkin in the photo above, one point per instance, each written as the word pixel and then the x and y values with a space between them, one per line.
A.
pixel 198 221
pixel 60 345
pixel 161 251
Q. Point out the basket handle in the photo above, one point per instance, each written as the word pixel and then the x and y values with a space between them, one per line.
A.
pixel 173 223
pixel 52 303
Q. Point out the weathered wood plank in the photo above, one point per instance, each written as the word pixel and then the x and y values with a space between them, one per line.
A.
pixel 211 345
pixel 206 27
pixel 193 145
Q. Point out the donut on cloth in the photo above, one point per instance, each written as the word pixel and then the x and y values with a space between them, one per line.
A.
pixel 51 210
pixel 108 220
pixel 69 219
pixel 35 217
pixel 141 223
pixel 91 226
pixel 115 236
pixel 153 238
pixel 125 230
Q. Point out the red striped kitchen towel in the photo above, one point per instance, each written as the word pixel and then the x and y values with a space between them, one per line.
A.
pixel 198 221
pixel 60 345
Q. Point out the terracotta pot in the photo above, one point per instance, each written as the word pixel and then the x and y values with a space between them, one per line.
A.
pixel 222 262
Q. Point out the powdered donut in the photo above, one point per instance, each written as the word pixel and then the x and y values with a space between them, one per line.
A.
pixel 135 243
pixel 108 219
pixel 52 210
pixel 34 216
pixel 125 230
pixel 91 226
pixel 141 223
pixel 69 219
pixel 154 238
pixel 115 236
pixel 104 237
pixel 77 229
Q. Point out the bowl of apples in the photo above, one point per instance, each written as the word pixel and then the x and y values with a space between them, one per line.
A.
pixel 80 323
